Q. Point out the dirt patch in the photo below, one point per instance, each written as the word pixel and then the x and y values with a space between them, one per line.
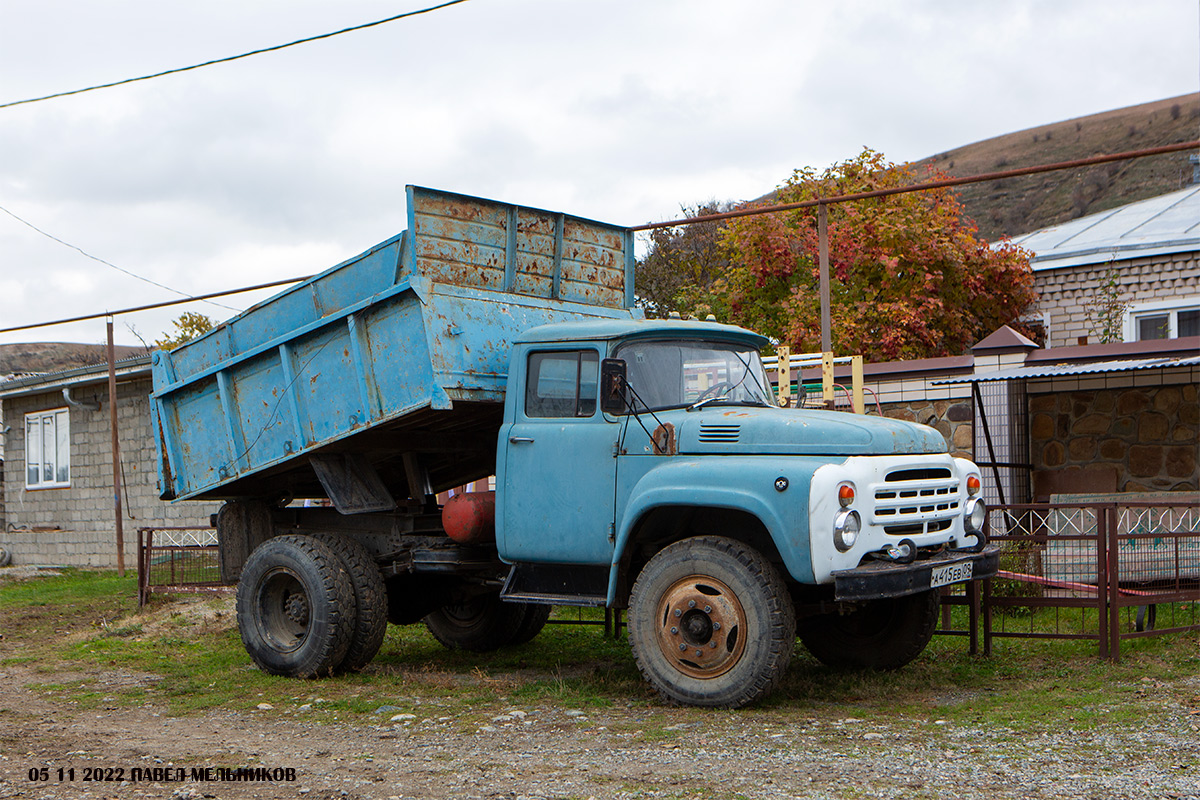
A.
pixel 430 745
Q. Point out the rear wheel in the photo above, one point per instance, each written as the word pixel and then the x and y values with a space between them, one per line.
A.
pixel 479 624
pixel 295 607
pixel 711 623
pixel 878 634
pixel 536 616
pixel 370 599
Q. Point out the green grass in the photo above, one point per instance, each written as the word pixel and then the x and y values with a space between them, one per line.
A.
pixel 185 659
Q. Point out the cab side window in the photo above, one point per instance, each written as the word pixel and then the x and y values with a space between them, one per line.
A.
pixel 562 384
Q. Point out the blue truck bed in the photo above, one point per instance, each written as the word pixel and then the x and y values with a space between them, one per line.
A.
pixel 401 350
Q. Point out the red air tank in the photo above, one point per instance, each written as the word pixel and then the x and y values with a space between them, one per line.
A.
pixel 470 518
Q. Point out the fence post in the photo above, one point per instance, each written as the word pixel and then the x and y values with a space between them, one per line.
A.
pixel 1101 578
pixel 987 617
pixel 973 614
pixel 141 568
pixel 1114 579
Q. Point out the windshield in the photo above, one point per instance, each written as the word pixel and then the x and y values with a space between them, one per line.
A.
pixel 667 374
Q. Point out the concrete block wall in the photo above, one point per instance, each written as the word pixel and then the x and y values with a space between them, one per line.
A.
pixel 1064 293
pixel 75 525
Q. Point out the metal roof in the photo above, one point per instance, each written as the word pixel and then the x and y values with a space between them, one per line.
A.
pixel 76 376
pixel 1066 370
pixel 1169 223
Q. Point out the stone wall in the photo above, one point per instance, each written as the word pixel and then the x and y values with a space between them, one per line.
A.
pixel 1063 293
pixel 953 419
pixel 1148 435
pixel 75 525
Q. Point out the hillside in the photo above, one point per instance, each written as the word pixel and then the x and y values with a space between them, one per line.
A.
pixel 56 356
pixel 1019 205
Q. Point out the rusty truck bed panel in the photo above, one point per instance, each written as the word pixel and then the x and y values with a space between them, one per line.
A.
pixel 403 348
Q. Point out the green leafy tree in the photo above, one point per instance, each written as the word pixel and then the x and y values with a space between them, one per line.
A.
pixel 909 276
pixel 187 326
pixel 682 263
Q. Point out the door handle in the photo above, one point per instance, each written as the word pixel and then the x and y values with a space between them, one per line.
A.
pixel 520 439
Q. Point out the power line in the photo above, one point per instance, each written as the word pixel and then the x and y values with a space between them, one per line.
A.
pixel 919 187
pixel 235 58
pixel 164 304
pixel 83 252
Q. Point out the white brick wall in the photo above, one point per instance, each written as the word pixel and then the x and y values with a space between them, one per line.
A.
pixel 75 525
pixel 1064 293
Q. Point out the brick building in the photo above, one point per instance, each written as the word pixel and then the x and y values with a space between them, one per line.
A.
pixel 1151 248
pixel 58 481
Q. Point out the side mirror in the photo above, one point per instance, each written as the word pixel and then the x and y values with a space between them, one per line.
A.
pixel 612 386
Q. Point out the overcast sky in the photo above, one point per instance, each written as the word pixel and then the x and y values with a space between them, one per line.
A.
pixel 286 163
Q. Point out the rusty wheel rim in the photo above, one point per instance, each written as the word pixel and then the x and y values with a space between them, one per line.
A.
pixel 702 627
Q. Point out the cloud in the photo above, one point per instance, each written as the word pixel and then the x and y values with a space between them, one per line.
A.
pixel 619 111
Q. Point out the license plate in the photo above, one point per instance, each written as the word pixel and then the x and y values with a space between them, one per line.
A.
pixel 951 573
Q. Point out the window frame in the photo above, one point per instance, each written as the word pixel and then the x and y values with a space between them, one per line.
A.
pixel 60 421
pixel 581 354
pixel 1171 309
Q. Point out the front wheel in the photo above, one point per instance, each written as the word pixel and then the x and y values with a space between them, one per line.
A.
pixel 878 634
pixel 711 623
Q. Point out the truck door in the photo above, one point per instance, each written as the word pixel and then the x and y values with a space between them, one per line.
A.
pixel 559 476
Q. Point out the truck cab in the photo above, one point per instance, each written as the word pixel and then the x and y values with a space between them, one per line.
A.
pixel 623 439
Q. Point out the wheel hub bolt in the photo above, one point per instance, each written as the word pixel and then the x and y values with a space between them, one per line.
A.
pixel 682 646
pixel 716 626
pixel 675 631
pixel 679 612
pixel 691 603
pixel 699 652
pixel 712 644
pixel 708 609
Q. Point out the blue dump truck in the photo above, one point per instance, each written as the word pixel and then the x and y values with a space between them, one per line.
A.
pixel 640 464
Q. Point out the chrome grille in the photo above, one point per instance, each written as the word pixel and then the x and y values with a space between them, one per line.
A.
pixel 914 501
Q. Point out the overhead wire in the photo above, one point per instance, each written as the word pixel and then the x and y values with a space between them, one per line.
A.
pixel 149 306
pixel 227 59
pixel 83 252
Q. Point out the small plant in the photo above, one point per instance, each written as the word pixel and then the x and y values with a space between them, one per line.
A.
pixel 1105 311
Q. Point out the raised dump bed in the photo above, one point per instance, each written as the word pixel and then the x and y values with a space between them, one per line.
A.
pixel 391 365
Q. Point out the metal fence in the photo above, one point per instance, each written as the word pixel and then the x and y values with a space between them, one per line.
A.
pixel 178 560
pixel 1105 572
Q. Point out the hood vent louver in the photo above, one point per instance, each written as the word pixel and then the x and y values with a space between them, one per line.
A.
pixel 723 434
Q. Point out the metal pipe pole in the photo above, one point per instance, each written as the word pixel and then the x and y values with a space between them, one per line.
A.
pixel 116 450
pixel 823 256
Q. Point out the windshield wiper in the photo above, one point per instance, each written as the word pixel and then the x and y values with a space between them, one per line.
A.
pixel 757 403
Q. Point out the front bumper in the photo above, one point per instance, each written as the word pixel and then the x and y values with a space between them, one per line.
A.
pixel 880 579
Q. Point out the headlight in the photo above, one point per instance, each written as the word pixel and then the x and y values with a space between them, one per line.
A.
pixel 846 526
pixel 974 515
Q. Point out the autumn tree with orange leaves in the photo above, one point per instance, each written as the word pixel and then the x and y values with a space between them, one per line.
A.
pixel 910 277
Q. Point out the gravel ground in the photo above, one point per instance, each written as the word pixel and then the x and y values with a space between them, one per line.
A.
pixel 546 751
pixel 436 748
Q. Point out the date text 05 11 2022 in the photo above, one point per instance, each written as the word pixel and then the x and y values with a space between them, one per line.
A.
pixel 163 774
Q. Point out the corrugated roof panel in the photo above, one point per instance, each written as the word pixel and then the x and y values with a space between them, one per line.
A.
pixel 1066 370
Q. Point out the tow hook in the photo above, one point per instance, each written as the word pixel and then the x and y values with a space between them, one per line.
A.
pixel 902 552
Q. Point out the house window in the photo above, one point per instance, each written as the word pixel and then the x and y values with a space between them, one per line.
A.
pixel 1165 320
pixel 47 449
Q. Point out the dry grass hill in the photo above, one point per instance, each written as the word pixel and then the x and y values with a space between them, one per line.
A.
pixel 56 356
pixel 1018 205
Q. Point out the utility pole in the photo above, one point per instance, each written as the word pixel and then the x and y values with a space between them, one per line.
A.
pixel 116 449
